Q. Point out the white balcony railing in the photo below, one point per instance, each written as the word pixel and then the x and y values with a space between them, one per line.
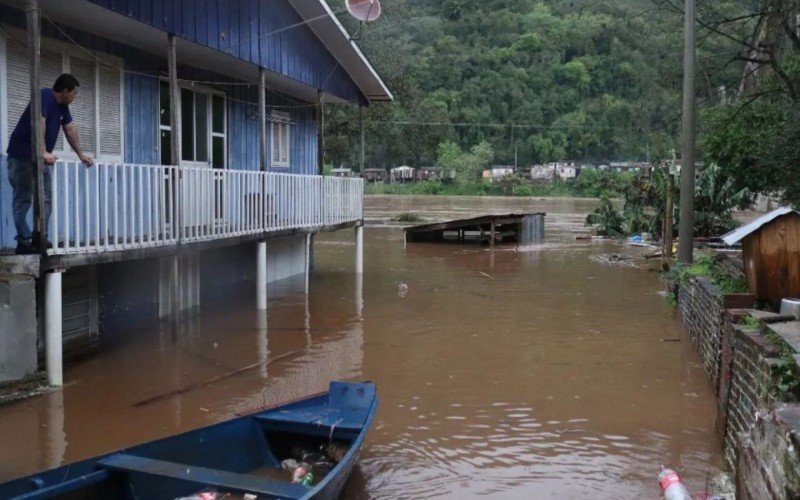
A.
pixel 111 207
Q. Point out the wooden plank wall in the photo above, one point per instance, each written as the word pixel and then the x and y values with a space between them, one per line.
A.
pixel 775 252
pixel 243 29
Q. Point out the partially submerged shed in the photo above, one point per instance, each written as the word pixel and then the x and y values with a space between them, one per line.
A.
pixel 771 254
pixel 487 229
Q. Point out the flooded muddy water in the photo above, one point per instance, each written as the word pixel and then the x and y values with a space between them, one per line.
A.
pixel 538 371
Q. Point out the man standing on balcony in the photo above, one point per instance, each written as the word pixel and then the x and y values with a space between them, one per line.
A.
pixel 22 168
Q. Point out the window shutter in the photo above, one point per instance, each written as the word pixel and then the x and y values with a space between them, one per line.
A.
pixel 18 82
pixel 280 138
pixel 110 95
pixel 82 109
pixel 51 69
pixel 282 143
pixel 286 142
pixel 276 157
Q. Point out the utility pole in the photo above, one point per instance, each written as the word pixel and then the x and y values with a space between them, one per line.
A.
pixel 686 227
pixel 34 45
pixel 666 251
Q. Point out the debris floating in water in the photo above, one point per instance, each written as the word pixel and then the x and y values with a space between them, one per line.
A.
pixel 619 259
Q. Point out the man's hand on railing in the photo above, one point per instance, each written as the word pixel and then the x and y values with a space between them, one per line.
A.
pixel 86 159
pixel 49 158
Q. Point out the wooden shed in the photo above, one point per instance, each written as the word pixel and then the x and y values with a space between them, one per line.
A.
pixel 771 254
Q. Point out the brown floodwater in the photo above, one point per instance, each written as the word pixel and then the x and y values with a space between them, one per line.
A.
pixel 537 371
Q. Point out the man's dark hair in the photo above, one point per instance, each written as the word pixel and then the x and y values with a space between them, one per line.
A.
pixel 66 81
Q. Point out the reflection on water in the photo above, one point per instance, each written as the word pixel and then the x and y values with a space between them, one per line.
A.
pixel 524 372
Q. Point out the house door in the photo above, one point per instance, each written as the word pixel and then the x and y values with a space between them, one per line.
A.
pixel 203 155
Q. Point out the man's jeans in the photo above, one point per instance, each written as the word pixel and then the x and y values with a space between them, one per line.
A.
pixel 20 175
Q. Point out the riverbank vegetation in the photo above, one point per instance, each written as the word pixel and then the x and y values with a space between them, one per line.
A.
pixel 644 205
pixel 706 266
pixel 590 184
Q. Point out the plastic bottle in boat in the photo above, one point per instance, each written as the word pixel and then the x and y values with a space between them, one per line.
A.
pixel 672 486
pixel 303 475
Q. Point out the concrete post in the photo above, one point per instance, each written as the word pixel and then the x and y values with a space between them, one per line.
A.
pixel 261 276
pixel 359 249
pixel 53 328
pixel 262 342
pixel 308 261
pixel 359 296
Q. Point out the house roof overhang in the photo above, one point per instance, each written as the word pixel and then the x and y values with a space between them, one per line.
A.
pixel 92 18
pixel 336 38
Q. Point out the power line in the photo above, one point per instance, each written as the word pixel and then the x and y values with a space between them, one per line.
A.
pixel 495 125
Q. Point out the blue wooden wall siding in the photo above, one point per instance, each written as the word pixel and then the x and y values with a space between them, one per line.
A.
pixel 242 29
pixel 7 230
pixel 141 119
pixel 243 132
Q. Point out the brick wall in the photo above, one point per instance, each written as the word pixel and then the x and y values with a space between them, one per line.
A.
pixel 750 387
pixel 700 305
pixel 763 453
pixel 770 454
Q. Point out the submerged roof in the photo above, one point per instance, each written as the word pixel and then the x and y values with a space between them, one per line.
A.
pixel 738 234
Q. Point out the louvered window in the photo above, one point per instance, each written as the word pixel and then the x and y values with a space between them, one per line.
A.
pixel 100 89
pixel 110 98
pixel 83 107
pixel 280 138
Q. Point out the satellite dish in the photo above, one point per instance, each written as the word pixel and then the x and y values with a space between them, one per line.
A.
pixel 364 10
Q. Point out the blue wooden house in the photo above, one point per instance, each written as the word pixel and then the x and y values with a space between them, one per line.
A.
pixel 141 235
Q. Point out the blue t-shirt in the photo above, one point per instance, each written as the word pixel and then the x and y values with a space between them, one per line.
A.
pixel 55 114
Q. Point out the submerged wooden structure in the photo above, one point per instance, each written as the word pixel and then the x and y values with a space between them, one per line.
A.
pixel 487 229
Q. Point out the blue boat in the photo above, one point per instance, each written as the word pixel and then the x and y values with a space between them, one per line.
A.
pixel 241 457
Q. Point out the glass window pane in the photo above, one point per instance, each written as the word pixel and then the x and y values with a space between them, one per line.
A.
pixel 166 147
pixel 218 159
pixel 201 126
pixel 187 125
pixel 163 94
pixel 219 114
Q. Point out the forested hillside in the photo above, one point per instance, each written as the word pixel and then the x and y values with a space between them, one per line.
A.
pixel 587 80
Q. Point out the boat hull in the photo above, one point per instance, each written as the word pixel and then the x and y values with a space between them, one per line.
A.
pixel 224 457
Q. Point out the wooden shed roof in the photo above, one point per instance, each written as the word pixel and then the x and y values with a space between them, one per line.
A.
pixel 740 233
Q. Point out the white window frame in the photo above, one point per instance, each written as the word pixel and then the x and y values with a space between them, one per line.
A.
pixel 210 92
pixel 280 119
pixel 66 51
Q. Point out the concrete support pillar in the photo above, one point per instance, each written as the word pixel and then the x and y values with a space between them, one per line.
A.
pixel 308 262
pixel 261 275
pixel 359 249
pixel 53 328
pixel 262 342
pixel 359 298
